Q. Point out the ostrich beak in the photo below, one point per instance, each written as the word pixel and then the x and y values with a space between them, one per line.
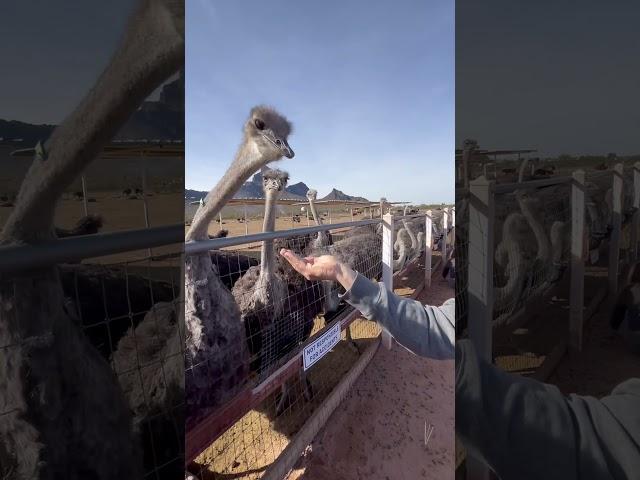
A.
pixel 279 143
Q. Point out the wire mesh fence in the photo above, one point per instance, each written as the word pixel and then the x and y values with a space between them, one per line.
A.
pixel 123 318
pixel 286 321
pixel 461 261
pixel 532 242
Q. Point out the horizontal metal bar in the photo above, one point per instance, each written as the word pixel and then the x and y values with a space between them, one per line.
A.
pixel 408 217
pixel 529 184
pixel 217 243
pixel 74 249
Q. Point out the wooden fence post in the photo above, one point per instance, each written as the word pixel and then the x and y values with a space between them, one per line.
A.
pixel 445 233
pixel 576 291
pixel 636 212
pixel 428 238
pixel 614 245
pixel 480 285
pixel 387 266
pixel 246 225
pixel 467 152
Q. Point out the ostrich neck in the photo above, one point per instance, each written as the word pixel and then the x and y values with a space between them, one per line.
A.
pixel 412 236
pixel 243 166
pixel 141 64
pixel 269 224
pixel 316 217
pixel 541 238
pixel 511 248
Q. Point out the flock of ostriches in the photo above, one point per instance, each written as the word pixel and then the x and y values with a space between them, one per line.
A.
pixel 242 316
pixel 533 239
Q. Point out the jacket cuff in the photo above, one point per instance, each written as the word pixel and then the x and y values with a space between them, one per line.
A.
pixel 364 295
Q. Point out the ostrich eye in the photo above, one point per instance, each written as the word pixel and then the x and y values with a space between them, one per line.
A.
pixel 259 124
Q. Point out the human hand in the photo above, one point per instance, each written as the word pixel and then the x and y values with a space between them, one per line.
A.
pixel 324 267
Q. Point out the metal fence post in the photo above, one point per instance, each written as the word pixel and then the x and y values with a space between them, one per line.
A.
pixel 576 301
pixel 144 197
pixel 427 249
pixel 614 246
pixel 635 225
pixel 387 266
pixel 480 285
pixel 84 195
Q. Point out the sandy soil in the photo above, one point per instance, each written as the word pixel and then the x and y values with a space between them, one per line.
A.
pixel 379 429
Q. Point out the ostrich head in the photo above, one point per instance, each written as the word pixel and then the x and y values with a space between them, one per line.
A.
pixel 274 181
pixel 267 132
pixel 264 141
pixel 312 194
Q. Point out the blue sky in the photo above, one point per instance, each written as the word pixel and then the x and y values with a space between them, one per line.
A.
pixel 369 87
pixel 565 81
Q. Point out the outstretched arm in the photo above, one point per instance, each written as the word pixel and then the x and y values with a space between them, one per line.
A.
pixel 426 330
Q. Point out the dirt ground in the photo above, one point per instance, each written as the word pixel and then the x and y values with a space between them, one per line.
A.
pixel 604 362
pixel 120 214
pixel 247 449
pixel 254 225
pixel 379 429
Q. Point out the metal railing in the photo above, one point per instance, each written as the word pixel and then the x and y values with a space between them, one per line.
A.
pixel 227 435
pixel 16 258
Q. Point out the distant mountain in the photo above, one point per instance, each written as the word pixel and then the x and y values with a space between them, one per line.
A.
pixel 336 194
pixel 154 120
pixel 299 188
pixel 253 189
pixel 25 133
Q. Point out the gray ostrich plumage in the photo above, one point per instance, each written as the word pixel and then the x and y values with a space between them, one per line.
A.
pixel 217 355
pixel 69 418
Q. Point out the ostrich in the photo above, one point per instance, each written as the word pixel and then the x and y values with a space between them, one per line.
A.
pixel 323 239
pixel 510 258
pixel 220 234
pixel 261 292
pixel 64 398
pixel 151 373
pixel 420 238
pixel 362 253
pixel 449 268
pixel 277 306
pixel 402 241
pixel 556 268
pixel 216 346
pixel 231 265
pixel 414 240
pixel 547 264
pixel 87 225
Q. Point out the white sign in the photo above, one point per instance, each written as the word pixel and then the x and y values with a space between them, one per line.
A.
pixel 320 347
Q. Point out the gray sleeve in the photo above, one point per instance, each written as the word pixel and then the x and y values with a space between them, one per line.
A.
pixel 498 419
pixel 525 429
pixel 427 331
